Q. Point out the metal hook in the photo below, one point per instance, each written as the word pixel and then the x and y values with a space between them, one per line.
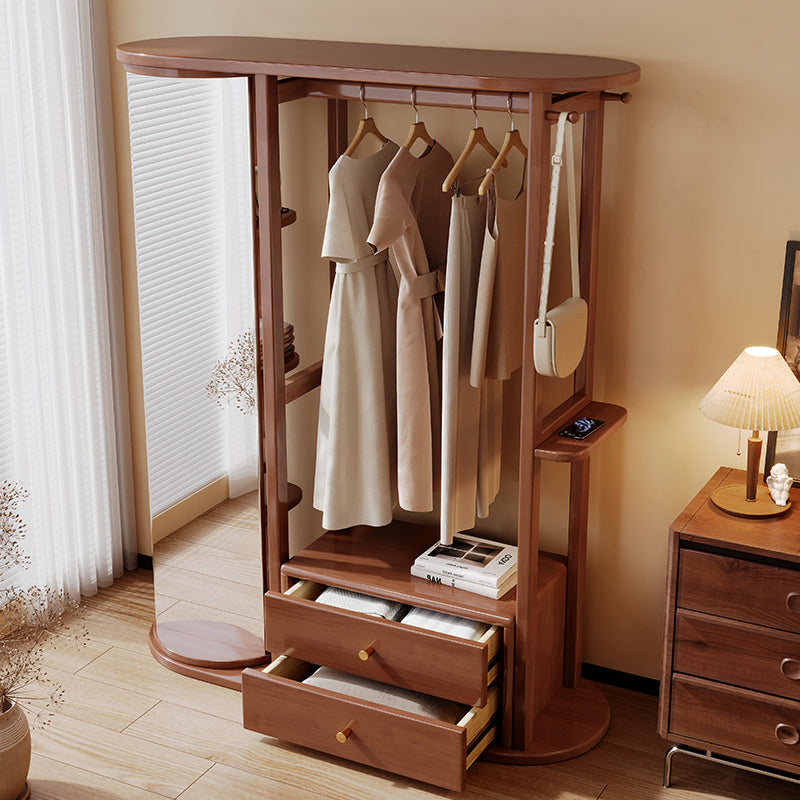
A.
pixel 414 102
pixel 474 109
pixel 510 115
pixel 363 101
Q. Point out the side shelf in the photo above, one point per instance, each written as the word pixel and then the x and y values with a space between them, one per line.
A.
pixel 563 449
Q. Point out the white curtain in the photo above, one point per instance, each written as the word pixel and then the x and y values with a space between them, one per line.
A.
pixel 190 164
pixel 63 397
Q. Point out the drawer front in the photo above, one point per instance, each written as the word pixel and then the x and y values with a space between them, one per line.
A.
pixel 749 722
pixel 738 589
pixel 737 653
pixel 432 663
pixel 277 704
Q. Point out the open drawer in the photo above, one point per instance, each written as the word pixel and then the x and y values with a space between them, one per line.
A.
pixel 424 661
pixel 278 704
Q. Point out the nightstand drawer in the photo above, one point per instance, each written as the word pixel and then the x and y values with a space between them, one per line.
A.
pixel 749 722
pixel 737 588
pixel 424 661
pixel 277 703
pixel 737 653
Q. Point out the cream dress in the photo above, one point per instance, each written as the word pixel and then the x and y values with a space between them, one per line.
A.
pixel 355 481
pixel 497 338
pixel 411 217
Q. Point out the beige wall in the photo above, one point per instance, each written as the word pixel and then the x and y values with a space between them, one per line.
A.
pixel 699 200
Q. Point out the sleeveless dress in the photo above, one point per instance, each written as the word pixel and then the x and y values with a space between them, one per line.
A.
pixel 411 215
pixel 355 481
pixel 497 338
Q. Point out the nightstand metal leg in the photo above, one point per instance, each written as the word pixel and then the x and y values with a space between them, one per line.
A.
pixel 668 765
pixel 707 755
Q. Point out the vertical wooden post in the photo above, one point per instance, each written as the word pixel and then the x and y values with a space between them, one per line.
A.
pixel 591 173
pixel 530 431
pixel 576 571
pixel 269 308
pixel 337 143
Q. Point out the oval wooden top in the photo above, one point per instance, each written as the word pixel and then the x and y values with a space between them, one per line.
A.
pixel 490 70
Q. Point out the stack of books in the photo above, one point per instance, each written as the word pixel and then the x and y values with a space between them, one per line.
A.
pixel 475 565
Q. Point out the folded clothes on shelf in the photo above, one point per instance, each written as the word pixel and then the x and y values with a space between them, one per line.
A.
pixel 363 603
pixel 444 623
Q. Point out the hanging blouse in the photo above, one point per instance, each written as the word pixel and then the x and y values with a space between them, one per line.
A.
pixel 355 481
pixel 411 215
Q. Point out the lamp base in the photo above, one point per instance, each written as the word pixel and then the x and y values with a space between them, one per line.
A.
pixel 731 498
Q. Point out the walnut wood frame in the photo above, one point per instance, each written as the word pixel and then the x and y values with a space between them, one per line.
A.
pixel 540 85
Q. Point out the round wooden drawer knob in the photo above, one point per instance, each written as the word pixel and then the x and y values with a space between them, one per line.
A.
pixel 790 668
pixel 787 734
pixel 366 653
pixel 343 735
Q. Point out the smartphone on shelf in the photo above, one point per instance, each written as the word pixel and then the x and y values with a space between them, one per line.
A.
pixel 582 427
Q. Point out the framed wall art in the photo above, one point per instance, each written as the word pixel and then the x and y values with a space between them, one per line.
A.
pixel 784 446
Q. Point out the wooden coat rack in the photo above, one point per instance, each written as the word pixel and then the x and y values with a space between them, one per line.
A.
pixel 541 86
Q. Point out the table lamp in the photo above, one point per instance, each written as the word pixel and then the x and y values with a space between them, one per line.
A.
pixel 758 392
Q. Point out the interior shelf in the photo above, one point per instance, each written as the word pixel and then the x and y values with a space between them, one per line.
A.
pixel 377 560
pixel 288 216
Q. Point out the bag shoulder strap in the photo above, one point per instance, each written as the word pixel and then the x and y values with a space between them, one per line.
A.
pixel 562 131
pixel 573 215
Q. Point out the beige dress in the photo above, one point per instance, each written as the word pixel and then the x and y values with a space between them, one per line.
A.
pixel 497 338
pixel 355 481
pixel 461 402
pixel 411 215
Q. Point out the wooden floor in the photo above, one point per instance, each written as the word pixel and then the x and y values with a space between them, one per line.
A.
pixel 128 728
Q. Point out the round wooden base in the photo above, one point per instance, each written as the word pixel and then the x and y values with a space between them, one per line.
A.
pixel 26 793
pixel 573 722
pixel 731 498
pixel 214 652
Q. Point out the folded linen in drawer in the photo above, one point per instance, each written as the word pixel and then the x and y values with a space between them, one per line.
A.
pixel 386 695
pixel 444 623
pixel 363 603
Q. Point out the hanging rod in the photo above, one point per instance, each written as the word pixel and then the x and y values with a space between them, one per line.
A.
pixel 296 88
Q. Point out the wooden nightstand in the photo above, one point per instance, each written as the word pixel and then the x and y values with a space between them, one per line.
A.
pixel 730 681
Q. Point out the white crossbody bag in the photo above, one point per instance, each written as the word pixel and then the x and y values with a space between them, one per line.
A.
pixel 559 335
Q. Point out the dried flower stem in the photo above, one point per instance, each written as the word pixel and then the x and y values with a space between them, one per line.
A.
pixel 30 619
pixel 234 377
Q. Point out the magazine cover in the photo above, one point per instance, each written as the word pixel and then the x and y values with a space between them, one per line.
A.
pixel 477 560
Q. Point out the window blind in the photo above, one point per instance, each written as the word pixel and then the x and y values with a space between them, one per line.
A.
pixel 190 159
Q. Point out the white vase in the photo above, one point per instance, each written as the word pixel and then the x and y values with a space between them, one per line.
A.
pixel 15 752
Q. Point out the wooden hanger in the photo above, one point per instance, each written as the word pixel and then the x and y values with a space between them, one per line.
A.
pixel 511 141
pixel 365 126
pixel 417 129
pixel 476 137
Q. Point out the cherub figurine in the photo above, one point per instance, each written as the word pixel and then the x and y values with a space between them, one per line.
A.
pixel 779 482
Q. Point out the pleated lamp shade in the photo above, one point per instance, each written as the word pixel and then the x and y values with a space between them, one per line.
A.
pixel 758 392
